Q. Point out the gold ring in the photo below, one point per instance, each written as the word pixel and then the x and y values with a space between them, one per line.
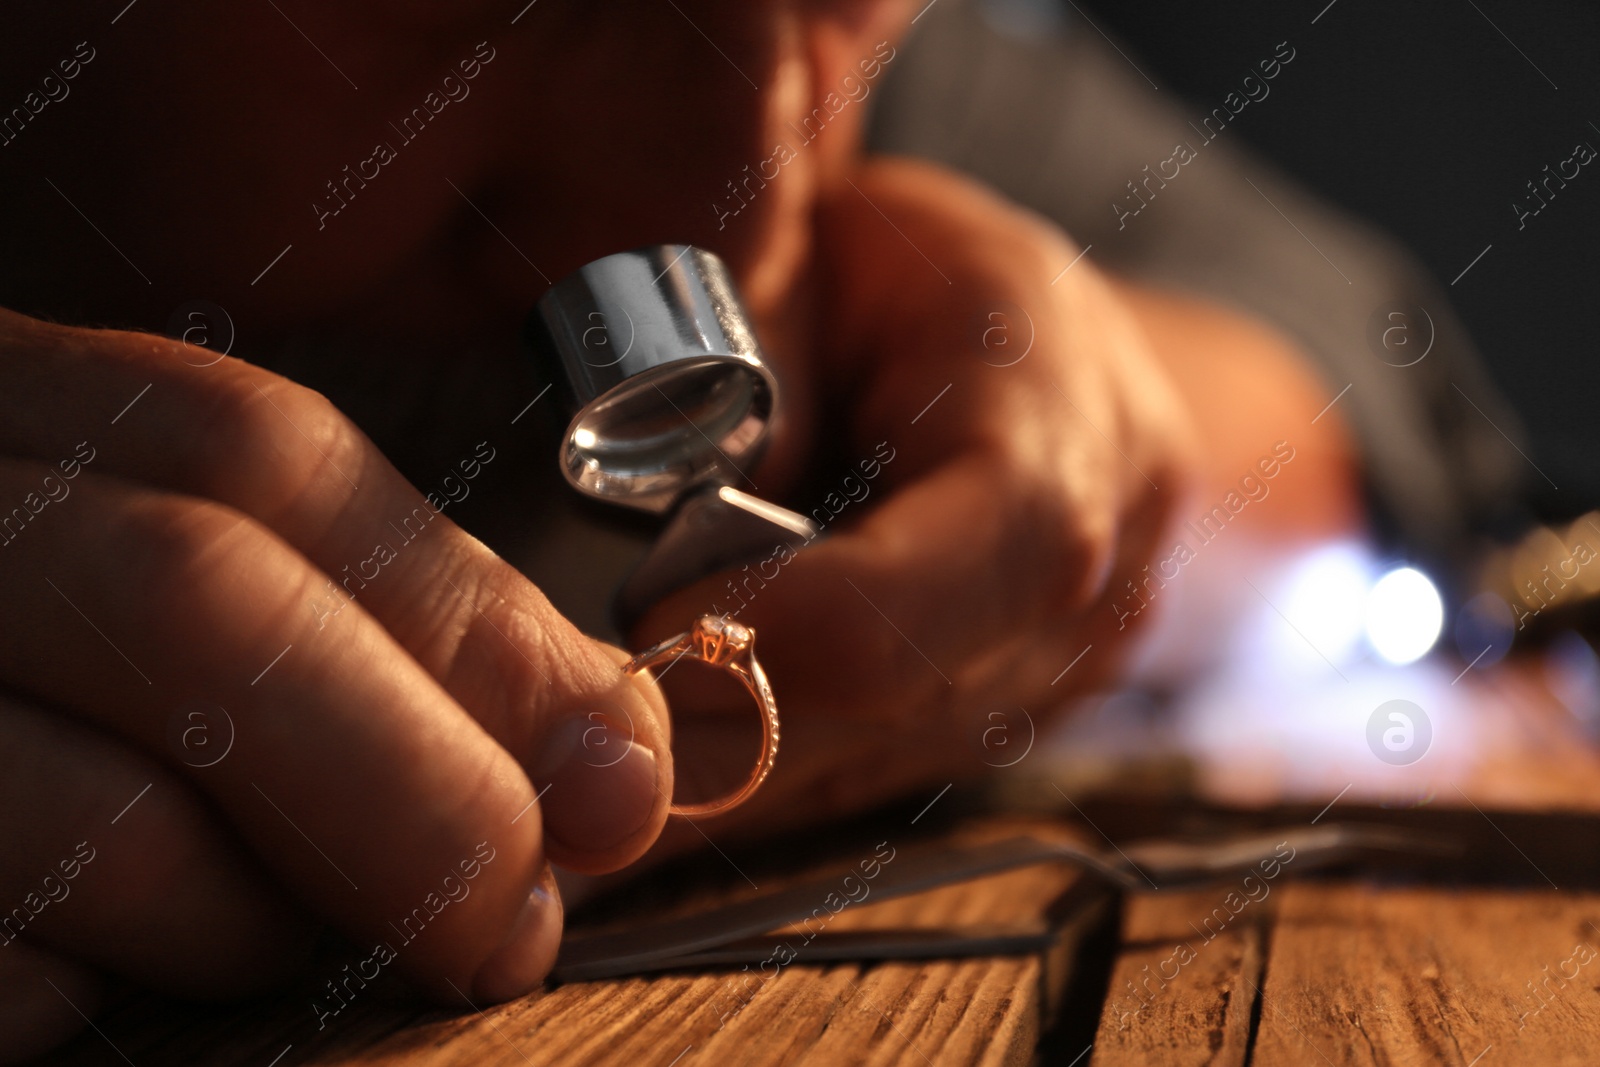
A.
pixel 721 642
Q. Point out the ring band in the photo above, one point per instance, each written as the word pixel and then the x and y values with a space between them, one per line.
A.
pixel 721 642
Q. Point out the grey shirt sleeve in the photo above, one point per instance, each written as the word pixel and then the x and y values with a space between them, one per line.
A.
pixel 1059 121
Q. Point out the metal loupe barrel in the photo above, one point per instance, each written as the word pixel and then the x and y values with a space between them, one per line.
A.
pixel 660 374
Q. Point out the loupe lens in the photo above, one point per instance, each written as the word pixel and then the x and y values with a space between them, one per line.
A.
pixel 674 418
pixel 678 425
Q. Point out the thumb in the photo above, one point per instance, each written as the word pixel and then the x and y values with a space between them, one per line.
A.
pixel 601 761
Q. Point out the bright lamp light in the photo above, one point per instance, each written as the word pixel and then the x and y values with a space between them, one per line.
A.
pixel 1404 615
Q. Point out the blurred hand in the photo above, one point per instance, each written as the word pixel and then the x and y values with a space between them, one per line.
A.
pixel 402 731
pixel 1037 452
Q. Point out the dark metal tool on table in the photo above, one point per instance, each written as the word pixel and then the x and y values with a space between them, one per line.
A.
pixel 732 934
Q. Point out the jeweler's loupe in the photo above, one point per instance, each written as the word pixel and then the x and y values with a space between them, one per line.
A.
pixel 669 405
pixel 661 375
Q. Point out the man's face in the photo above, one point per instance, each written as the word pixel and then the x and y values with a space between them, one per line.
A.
pixel 410 174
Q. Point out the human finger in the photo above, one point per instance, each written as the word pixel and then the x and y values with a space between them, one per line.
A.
pixel 359 782
pixel 281 454
pixel 113 860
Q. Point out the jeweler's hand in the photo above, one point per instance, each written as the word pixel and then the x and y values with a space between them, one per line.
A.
pixel 1037 450
pixel 255 680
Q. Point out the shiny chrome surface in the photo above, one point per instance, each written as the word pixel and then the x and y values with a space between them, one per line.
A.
pixel 660 375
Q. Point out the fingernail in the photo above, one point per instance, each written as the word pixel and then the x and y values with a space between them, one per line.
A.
pixel 598 784
pixel 519 965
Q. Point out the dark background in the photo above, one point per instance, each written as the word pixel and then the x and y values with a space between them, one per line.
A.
pixel 1424 118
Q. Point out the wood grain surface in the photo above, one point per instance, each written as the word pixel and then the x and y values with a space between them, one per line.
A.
pixel 984 1011
pixel 1480 956
pixel 1183 983
pixel 1405 976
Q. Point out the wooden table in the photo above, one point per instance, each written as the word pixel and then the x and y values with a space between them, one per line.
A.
pixel 1486 958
